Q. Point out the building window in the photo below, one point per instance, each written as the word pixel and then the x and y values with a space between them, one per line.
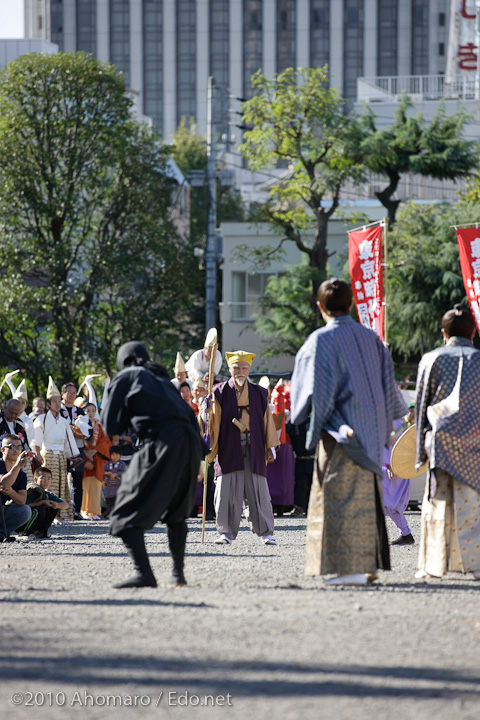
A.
pixel 353 48
pixel 220 60
pixel 441 49
pixel 120 36
pixel 286 40
pixel 420 37
pixel 247 289
pixel 186 60
pixel 153 62
pixel 387 37
pixel 252 43
pixel 441 19
pixel 56 23
pixel 87 26
pixel 319 32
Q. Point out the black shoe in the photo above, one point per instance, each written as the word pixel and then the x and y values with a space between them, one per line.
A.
pixel 177 537
pixel 137 581
pixel 404 540
pixel 77 516
pixel 134 541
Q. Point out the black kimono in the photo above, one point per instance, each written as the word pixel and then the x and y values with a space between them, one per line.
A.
pixel 161 479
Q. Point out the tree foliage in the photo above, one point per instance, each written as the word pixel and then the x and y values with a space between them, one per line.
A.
pixel 295 118
pixel 425 279
pixel 189 150
pixel 411 145
pixel 89 247
pixel 285 319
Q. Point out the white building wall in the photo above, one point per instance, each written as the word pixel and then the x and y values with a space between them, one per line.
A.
pixel 13 49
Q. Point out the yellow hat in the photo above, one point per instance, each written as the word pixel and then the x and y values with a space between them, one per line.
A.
pixel 52 389
pixel 179 364
pixel 198 384
pixel 239 356
pixel 21 391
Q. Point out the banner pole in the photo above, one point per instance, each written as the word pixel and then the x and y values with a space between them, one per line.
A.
pixel 467 225
pixel 365 226
pixel 385 282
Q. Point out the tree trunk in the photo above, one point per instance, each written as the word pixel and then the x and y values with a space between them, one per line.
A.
pixel 385 196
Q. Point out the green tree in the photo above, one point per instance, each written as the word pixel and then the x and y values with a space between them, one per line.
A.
pixel 295 118
pixel 85 205
pixel 189 150
pixel 411 145
pixel 285 318
pixel 425 279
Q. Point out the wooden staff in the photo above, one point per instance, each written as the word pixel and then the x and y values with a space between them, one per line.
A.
pixel 212 335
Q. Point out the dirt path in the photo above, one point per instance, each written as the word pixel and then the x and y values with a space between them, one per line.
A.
pixel 249 634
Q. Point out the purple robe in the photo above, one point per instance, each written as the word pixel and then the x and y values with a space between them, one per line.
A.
pixel 230 452
pixel 281 476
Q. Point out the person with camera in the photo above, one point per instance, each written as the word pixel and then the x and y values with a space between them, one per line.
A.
pixel 13 486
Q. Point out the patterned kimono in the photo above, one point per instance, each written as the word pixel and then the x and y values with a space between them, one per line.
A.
pixel 344 378
pixel 448 433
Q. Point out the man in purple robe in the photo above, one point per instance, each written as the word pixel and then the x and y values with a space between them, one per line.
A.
pixel 243 438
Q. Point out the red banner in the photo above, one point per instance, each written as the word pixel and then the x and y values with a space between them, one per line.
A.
pixel 366 276
pixel 469 251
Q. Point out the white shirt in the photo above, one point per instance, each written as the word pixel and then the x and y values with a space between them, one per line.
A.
pixel 197 364
pixel 54 433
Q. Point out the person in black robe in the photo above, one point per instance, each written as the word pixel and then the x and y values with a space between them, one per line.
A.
pixel 161 480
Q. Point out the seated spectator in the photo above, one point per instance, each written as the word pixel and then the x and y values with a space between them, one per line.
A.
pixel 13 486
pixel 44 504
pixel 112 476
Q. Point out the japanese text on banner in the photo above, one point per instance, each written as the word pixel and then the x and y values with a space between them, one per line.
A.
pixel 366 276
pixel 469 251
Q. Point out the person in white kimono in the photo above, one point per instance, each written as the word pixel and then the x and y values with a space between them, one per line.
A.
pixel 54 443
pixel 198 364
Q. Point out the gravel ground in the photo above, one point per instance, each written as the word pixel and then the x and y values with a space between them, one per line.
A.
pixel 248 634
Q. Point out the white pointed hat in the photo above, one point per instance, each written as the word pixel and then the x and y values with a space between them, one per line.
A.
pixel 52 389
pixel 198 383
pixel 21 391
pixel 179 364
pixel 264 382
pixel 211 338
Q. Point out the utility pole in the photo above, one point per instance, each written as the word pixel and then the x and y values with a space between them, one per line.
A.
pixel 211 248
